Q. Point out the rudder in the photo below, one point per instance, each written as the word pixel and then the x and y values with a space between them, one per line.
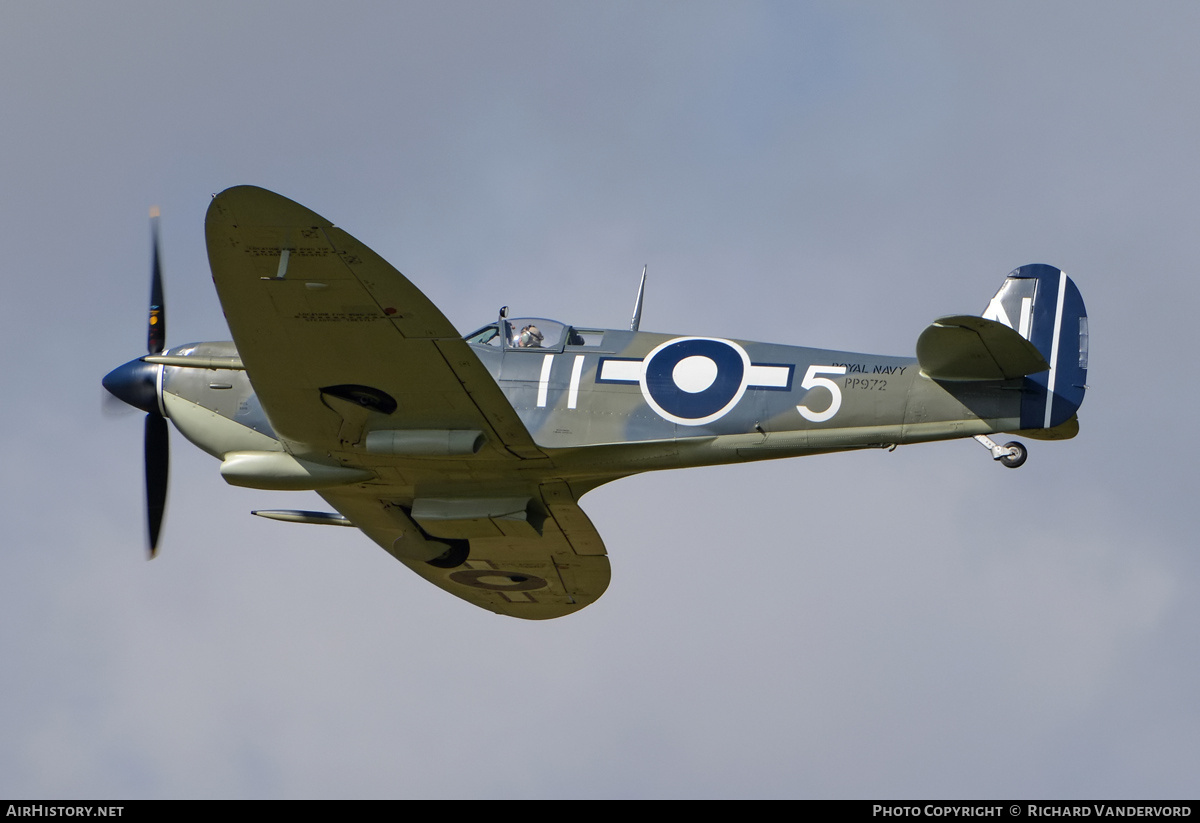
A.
pixel 1045 307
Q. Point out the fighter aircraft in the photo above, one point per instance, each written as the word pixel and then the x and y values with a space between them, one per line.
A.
pixel 465 457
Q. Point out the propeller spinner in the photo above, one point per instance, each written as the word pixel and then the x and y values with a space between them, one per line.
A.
pixel 139 384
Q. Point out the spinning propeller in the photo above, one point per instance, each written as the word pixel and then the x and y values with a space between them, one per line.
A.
pixel 139 384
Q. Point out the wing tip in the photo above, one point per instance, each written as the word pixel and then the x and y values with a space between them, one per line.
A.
pixel 255 206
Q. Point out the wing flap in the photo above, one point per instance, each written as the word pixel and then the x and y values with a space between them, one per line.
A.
pixel 485 393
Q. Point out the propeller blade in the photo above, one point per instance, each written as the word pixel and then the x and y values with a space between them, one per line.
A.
pixel 157 333
pixel 157 461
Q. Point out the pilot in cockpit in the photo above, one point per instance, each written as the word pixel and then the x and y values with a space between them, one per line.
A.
pixel 529 338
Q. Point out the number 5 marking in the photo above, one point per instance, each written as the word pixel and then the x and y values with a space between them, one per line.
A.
pixel 812 381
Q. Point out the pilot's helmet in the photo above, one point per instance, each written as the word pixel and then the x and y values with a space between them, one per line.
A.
pixel 530 337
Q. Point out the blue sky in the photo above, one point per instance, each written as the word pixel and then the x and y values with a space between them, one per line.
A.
pixel 921 623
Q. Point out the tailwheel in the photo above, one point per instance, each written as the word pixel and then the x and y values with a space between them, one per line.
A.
pixel 1016 454
pixel 1012 454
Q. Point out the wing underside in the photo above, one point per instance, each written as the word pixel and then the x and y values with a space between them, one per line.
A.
pixel 312 309
pixel 559 569
pixel 355 367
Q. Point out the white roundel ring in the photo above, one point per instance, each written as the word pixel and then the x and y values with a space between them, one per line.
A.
pixel 695 380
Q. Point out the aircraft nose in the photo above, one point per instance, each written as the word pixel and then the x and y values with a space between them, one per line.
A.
pixel 135 383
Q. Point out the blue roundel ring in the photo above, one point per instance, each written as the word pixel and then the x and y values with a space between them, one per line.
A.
pixel 695 380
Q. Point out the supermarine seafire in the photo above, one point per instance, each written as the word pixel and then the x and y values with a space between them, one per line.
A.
pixel 465 457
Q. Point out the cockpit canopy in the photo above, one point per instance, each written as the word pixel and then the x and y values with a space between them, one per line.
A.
pixel 538 333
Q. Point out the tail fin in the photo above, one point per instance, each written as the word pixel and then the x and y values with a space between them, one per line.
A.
pixel 1044 306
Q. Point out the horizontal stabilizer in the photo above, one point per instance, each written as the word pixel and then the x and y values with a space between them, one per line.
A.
pixel 964 347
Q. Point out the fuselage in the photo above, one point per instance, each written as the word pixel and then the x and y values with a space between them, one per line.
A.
pixel 604 403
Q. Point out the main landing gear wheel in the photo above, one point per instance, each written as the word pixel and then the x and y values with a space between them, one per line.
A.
pixel 1012 454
